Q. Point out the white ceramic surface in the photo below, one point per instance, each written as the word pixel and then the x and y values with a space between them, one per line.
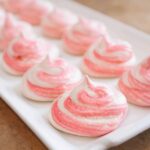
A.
pixel 35 114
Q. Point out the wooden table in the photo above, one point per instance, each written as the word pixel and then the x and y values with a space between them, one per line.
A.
pixel 15 135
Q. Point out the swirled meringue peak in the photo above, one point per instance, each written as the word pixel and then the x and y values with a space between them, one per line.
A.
pixel 11 29
pixel 135 84
pixel 35 12
pixel 50 79
pixel 82 35
pixel 16 6
pixel 108 59
pixel 23 53
pixel 57 21
pixel 89 110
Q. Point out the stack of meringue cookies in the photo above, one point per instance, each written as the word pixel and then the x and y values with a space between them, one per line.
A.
pixel 80 106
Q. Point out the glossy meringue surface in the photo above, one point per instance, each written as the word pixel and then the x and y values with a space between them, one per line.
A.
pixel 23 53
pixel 11 29
pixel 135 84
pixel 57 21
pixel 82 35
pixel 50 79
pixel 35 12
pixel 108 59
pixel 89 110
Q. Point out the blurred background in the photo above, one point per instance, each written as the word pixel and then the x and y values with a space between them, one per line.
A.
pixel 133 12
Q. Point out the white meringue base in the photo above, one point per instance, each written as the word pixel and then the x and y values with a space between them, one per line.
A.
pixel 10 70
pixel 52 122
pixel 31 95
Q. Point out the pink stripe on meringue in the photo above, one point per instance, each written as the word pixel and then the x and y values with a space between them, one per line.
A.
pixel 108 59
pixel 116 71
pixel 75 47
pixel 15 63
pixel 127 55
pixel 46 92
pixel 71 114
pixel 138 93
pixel 80 128
pixel 82 35
pixel 135 84
pixel 145 70
pixel 130 96
pixel 50 79
pixel 16 6
pixel 56 77
pixel 57 22
pixel 97 100
pixel 88 110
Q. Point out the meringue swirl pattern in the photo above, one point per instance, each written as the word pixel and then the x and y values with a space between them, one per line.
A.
pixel 57 21
pixel 11 29
pixel 135 84
pixel 23 53
pixel 50 79
pixel 16 6
pixel 82 35
pixel 35 12
pixel 89 110
pixel 108 59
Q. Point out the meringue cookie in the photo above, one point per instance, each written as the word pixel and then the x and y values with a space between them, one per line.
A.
pixel 135 84
pixel 50 79
pixel 16 6
pixel 57 21
pixel 82 35
pixel 108 59
pixel 23 53
pixel 35 12
pixel 11 29
pixel 89 110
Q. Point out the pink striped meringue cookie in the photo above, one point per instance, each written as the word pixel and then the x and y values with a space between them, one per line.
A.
pixel 135 84
pixel 11 29
pixel 108 59
pixel 89 110
pixel 57 21
pixel 16 6
pixel 50 79
pixel 82 35
pixel 35 12
pixel 23 53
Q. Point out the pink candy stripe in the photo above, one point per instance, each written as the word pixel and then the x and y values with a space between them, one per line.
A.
pixel 98 100
pixel 85 38
pixel 89 111
pixel 75 47
pixel 45 92
pixel 60 78
pixel 53 30
pixel 80 128
pixel 114 59
pixel 137 84
pixel 14 63
pixel 133 95
pixel 49 92
pixel 116 71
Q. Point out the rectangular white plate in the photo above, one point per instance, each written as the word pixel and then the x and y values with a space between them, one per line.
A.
pixel 35 114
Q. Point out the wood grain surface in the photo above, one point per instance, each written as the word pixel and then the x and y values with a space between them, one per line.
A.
pixel 15 135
